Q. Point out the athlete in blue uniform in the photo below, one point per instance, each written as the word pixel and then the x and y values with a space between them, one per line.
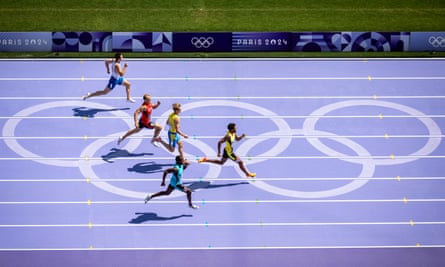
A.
pixel 175 182
pixel 116 78
pixel 228 139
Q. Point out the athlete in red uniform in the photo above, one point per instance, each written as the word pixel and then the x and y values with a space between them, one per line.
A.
pixel 145 121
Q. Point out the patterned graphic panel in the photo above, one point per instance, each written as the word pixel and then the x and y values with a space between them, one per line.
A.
pixel 81 41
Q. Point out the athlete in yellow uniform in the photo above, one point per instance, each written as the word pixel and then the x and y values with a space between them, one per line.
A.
pixel 174 132
pixel 228 139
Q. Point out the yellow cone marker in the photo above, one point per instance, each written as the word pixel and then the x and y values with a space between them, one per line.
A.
pixel 85 137
pixel 380 116
pixel 84 118
pixel 91 248
pixel 392 156
pixel 405 200
pixel 386 136
pixel 86 158
pixel 411 222
pixel 417 244
pixel 82 79
pixel 369 78
pixel 374 96
pixel 89 202
pixel 398 178
pixel 90 225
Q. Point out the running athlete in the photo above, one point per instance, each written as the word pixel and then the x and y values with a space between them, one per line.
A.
pixel 228 139
pixel 145 121
pixel 174 132
pixel 116 78
pixel 175 182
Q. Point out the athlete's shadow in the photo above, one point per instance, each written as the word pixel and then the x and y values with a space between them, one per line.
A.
pixel 208 185
pixel 151 216
pixel 91 112
pixel 122 153
pixel 148 167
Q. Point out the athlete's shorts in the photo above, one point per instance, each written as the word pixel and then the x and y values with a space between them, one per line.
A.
pixel 179 187
pixel 150 125
pixel 231 156
pixel 173 138
pixel 113 82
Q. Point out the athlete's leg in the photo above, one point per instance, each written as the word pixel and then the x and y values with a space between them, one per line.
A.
pixel 97 93
pixel 127 134
pixel 215 161
pixel 188 192
pixel 244 169
pixel 181 150
pixel 163 193
pixel 127 85
pixel 167 146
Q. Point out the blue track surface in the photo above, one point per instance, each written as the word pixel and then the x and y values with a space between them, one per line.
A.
pixel 348 156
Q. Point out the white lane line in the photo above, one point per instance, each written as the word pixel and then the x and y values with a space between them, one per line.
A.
pixel 227 248
pixel 206 224
pixel 241 116
pixel 220 179
pixel 256 201
pixel 87 158
pixel 188 78
pixel 198 137
pixel 233 97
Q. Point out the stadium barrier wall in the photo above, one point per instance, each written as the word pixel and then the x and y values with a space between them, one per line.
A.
pixel 221 41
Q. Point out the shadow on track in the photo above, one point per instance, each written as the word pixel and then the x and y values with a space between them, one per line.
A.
pixel 91 112
pixel 151 216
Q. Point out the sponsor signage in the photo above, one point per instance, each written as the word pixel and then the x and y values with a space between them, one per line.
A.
pixel 81 42
pixel 261 41
pixel 221 41
pixel 25 42
pixel 427 41
pixel 202 42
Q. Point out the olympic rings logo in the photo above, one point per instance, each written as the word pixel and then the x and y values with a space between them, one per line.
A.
pixel 202 42
pixel 438 41
pixel 364 157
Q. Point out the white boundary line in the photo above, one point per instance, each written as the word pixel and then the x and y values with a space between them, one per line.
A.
pixel 219 179
pixel 193 117
pixel 233 97
pixel 221 78
pixel 205 202
pixel 87 158
pixel 225 248
pixel 206 224
pixel 197 137
pixel 358 59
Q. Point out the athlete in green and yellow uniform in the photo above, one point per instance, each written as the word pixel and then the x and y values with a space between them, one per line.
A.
pixel 228 139
pixel 174 132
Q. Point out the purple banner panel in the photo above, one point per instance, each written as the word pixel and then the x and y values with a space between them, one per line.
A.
pixel 261 41
pixel 25 42
pixel 375 41
pixel 427 41
pixel 316 41
pixel 202 42
pixel 81 41
pixel 142 41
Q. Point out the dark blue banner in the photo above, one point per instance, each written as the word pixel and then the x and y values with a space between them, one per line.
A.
pixel 81 42
pixel 261 41
pixel 25 42
pixel 202 42
pixel 427 41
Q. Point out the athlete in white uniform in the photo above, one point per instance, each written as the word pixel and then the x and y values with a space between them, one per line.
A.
pixel 116 78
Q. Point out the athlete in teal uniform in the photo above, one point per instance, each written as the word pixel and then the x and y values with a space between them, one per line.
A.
pixel 175 182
